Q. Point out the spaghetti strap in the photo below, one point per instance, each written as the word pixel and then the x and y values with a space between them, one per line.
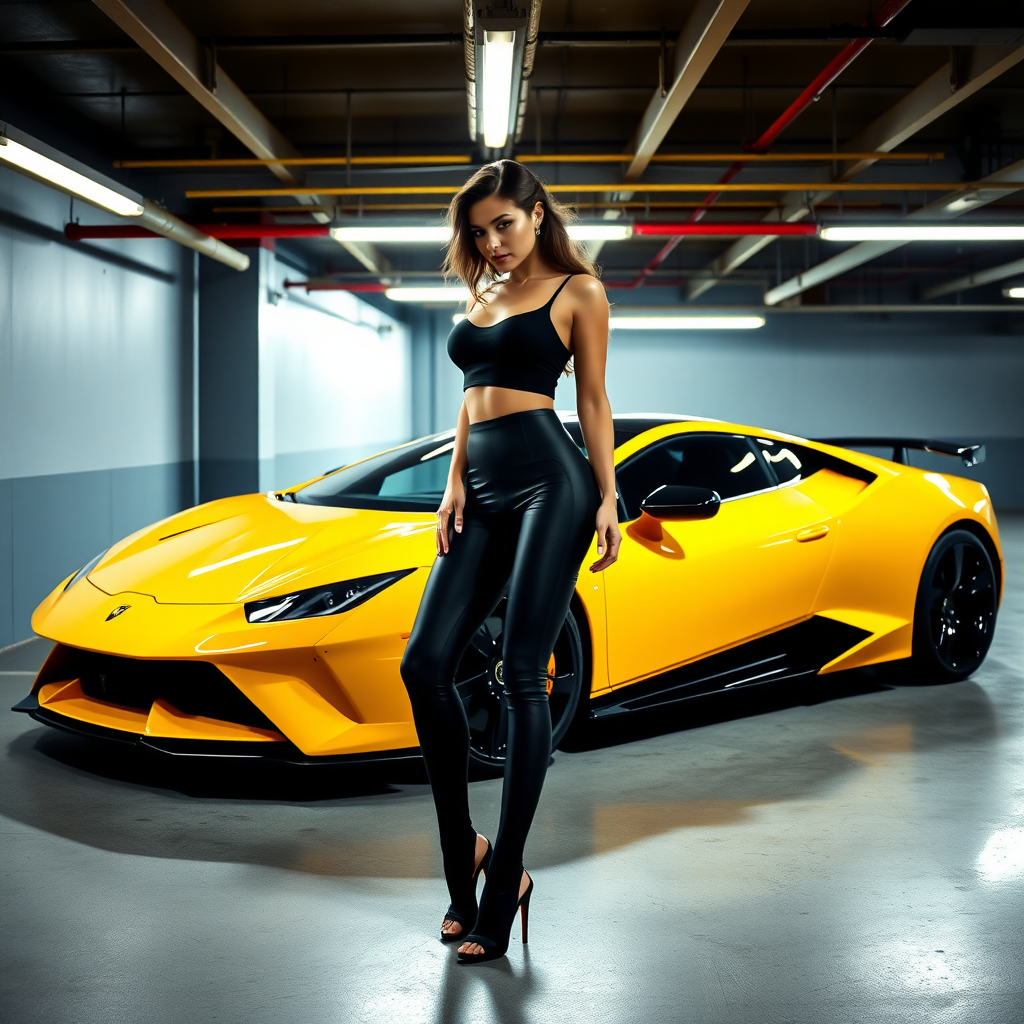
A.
pixel 558 289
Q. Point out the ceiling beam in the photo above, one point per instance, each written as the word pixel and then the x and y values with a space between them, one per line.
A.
pixel 162 34
pixel 949 207
pixel 703 35
pixel 975 280
pixel 937 95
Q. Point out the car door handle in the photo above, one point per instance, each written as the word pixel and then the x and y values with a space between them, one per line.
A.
pixel 812 533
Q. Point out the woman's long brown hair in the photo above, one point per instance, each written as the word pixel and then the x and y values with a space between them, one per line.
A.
pixel 519 185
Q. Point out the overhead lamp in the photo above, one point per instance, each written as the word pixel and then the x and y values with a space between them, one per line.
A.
pixel 498 61
pixel 497 85
pixel 40 161
pixel 925 233
pixel 609 232
pixel 687 323
pixel 425 234
pixel 418 233
pixel 1014 293
pixel 441 295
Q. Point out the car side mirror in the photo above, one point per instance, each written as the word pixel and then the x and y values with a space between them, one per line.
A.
pixel 681 503
pixel 674 503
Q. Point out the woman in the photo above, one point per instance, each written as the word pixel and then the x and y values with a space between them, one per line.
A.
pixel 525 503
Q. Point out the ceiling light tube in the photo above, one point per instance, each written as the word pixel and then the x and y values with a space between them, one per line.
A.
pixel 446 295
pixel 600 232
pixel 925 233
pixel 46 164
pixel 420 233
pixel 1014 293
pixel 498 55
pixel 687 323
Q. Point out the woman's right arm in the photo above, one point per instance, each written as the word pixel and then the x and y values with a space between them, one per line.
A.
pixel 454 500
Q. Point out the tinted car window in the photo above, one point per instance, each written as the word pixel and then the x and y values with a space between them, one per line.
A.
pixel 726 463
pixel 785 460
pixel 409 479
pixel 624 427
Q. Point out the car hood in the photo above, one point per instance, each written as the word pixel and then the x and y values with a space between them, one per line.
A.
pixel 239 549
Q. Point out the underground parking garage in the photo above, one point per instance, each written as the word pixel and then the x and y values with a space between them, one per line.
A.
pixel 605 414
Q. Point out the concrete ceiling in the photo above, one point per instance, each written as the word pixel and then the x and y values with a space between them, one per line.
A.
pixel 397 70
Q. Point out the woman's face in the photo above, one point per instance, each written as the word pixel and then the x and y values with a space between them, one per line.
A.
pixel 504 233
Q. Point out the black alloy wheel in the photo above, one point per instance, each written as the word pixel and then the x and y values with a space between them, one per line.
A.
pixel 955 614
pixel 479 683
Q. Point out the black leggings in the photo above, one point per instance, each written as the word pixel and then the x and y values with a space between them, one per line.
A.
pixel 531 503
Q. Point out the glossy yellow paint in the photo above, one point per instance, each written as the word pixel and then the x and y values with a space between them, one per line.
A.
pixel 829 546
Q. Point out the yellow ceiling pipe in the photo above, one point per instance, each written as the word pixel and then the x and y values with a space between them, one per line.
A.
pixel 761 186
pixel 526 158
pixel 661 204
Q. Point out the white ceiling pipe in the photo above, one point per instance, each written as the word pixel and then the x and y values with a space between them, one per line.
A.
pixel 157 219
pixel 975 280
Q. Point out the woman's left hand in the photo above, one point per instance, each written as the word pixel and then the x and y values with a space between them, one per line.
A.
pixel 608 536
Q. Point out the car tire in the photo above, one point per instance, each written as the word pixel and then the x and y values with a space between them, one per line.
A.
pixel 955 611
pixel 478 682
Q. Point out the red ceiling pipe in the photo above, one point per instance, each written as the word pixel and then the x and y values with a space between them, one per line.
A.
pixel 76 232
pixel 831 72
pixel 846 56
pixel 722 228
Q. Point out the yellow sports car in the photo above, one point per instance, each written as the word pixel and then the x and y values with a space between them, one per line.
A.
pixel 272 625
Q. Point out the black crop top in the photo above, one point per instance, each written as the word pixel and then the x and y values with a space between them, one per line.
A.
pixel 522 352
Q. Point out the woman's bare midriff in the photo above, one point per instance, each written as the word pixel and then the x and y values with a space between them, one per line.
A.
pixel 489 402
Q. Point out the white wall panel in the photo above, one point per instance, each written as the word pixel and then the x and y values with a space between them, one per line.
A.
pixel 94 358
pixel 335 380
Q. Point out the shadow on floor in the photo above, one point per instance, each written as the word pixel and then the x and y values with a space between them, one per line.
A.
pixel 627 780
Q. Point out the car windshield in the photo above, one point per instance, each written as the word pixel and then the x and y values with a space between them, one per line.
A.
pixel 412 478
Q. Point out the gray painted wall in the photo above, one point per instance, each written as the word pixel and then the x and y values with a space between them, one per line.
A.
pixel 943 377
pixel 95 392
pixel 96 385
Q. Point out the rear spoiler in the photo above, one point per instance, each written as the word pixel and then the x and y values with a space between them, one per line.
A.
pixel 969 454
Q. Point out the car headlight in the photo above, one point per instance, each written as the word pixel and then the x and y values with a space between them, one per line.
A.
pixel 327 600
pixel 86 569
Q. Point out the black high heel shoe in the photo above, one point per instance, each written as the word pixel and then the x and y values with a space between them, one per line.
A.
pixel 452 914
pixel 494 948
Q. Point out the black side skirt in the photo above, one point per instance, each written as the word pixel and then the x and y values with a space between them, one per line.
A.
pixel 790 653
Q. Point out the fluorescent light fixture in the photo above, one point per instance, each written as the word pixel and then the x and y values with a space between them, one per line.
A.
pixel 498 52
pixel 29 159
pixel 926 233
pixel 687 323
pixel 600 232
pixel 448 295
pixel 1014 293
pixel 392 233
pixel 422 233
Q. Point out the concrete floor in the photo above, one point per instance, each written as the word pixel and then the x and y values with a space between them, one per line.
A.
pixel 855 860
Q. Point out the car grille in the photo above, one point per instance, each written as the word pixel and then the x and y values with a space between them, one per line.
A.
pixel 192 687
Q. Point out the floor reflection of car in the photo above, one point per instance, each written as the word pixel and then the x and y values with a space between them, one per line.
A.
pixel 273 625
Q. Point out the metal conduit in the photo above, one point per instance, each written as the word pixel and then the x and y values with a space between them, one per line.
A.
pixel 160 222
pixel 525 158
pixel 591 187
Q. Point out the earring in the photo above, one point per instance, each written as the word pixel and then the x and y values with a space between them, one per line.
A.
pixel 538 229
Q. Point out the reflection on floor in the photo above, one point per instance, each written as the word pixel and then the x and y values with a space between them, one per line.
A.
pixel 754 858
